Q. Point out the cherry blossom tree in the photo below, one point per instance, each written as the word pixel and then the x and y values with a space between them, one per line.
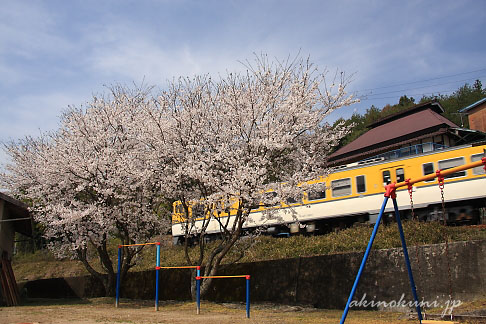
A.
pixel 89 182
pixel 231 141
pixel 218 145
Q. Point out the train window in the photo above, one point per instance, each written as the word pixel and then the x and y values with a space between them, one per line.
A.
pixel 400 175
pixel 314 195
pixel 360 184
pixel 386 177
pixel 318 192
pixel 428 169
pixel 291 200
pixel 341 187
pixel 478 169
pixel 269 196
pixel 179 209
pixel 198 211
pixel 218 208
pixel 451 163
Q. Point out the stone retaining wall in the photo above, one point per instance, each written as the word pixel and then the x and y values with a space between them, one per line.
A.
pixel 321 281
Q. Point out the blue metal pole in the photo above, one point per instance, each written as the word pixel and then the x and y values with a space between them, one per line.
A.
pixel 363 262
pixel 247 296
pixel 118 276
pixel 407 260
pixel 157 267
pixel 198 291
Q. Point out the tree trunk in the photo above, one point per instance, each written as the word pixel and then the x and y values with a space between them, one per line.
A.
pixel 109 284
pixel 107 280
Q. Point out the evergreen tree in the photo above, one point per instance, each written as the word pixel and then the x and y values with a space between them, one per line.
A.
pixel 452 104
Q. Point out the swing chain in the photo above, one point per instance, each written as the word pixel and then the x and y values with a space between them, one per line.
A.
pixel 414 217
pixel 440 179
pixel 410 189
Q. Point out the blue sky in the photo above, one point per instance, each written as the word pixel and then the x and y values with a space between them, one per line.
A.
pixel 59 53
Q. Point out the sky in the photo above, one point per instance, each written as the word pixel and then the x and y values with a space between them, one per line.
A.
pixel 59 53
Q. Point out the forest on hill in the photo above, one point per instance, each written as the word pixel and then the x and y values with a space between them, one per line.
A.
pixel 452 104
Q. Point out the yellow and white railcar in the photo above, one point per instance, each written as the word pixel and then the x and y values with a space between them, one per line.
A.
pixel 355 192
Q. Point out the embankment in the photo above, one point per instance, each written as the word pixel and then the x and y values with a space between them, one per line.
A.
pixel 322 281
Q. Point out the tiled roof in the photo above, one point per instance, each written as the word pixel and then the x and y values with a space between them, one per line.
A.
pixel 433 105
pixel 395 129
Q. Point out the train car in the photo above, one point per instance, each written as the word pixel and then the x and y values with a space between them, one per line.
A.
pixel 354 193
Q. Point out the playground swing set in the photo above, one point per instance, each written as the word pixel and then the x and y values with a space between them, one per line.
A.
pixel 390 192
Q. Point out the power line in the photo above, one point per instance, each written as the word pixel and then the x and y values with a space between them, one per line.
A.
pixel 429 86
pixel 411 95
pixel 425 80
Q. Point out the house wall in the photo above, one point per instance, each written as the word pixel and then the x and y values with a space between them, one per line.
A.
pixel 477 118
pixel 6 231
pixel 442 139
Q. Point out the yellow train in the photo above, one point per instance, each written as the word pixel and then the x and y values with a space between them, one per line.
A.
pixel 354 193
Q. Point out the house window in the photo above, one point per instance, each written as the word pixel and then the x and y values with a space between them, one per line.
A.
pixel 341 187
pixel 360 184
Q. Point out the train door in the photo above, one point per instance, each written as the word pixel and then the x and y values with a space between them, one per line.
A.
pixel 388 175
pixel 392 174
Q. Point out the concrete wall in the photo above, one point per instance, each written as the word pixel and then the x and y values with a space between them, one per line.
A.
pixel 321 281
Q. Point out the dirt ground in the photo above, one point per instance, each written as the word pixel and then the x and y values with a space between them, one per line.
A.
pixel 102 310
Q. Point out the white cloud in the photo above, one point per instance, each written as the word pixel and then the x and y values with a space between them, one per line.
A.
pixel 127 52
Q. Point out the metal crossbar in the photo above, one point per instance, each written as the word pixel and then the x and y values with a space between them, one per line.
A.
pixel 118 278
pixel 176 267
pixel 216 277
pixel 139 244
pixel 198 290
pixel 441 173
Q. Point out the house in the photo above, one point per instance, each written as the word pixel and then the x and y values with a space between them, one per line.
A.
pixel 14 217
pixel 476 115
pixel 419 129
